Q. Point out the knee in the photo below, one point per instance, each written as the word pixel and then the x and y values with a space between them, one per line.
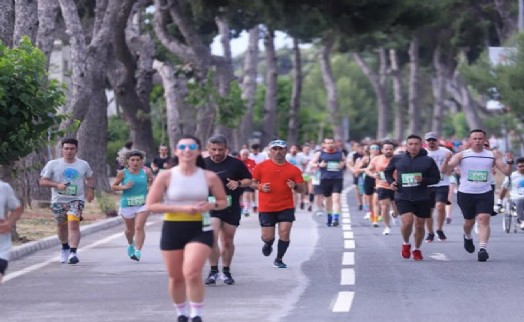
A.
pixel 192 276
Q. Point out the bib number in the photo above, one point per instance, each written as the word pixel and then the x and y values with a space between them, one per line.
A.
pixel 408 179
pixel 332 166
pixel 477 176
pixel 206 221
pixel 136 201
pixel 70 190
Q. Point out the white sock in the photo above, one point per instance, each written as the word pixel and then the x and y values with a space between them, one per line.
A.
pixel 181 308
pixel 196 308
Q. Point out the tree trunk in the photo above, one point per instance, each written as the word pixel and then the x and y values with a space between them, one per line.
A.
pixel 270 101
pixel 509 23
pixel 414 117
pixel 331 87
pixel 48 11
pixel 398 97
pixel 26 20
pixel 378 82
pixel 249 85
pixel 7 22
pixel 294 108
pixel 469 106
pixel 438 91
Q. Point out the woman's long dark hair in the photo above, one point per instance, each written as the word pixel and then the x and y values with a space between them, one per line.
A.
pixel 200 160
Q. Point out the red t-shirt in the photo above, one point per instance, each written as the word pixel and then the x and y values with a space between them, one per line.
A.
pixel 280 196
pixel 250 164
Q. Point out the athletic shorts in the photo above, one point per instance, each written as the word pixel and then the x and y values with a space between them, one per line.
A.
pixel 130 212
pixel 177 234
pixel 3 266
pixel 421 208
pixel 439 194
pixel 384 193
pixel 331 186
pixel 248 189
pixel 369 185
pixel 472 204
pixel 60 210
pixel 317 189
pixel 228 217
pixel 270 219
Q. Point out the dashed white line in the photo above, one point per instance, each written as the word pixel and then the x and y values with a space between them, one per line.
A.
pixel 348 235
pixel 346 221
pixel 348 258
pixel 343 302
pixel 349 244
pixel 346 227
pixel 347 276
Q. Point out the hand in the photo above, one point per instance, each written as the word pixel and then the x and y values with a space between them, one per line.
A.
pixel 393 186
pixel 129 185
pixel 232 184
pixel 265 187
pixel 62 186
pixel 322 164
pixel 291 184
pixel 5 226
pixel 90 195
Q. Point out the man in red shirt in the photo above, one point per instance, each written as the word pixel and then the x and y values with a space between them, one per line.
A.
pixel 248 197
pixel 275 179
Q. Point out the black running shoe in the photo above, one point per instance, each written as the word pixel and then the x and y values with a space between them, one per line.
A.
pixel 302 205
pixel 228 279
pixel 310 208
pixel 482 255
pixel 267 249
pixel 360 207
pixel 196 319
pixel 468 245
pixel 430 237
pixel 440 235
pixel 278 263
pixel 182 318
pixel 211 278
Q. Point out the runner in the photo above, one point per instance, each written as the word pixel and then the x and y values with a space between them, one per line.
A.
pixel 187 233
pixel 133 181
pixel 276 179
pixel 331 163
pixel 162 161
pixel 308 196
pixel 415 171
pixel 248 195
pixel 515 186
pixel 439 192
pixel 475 195
pixel 355 155
pixel 10 212
pixel 234 175
pixel 71 182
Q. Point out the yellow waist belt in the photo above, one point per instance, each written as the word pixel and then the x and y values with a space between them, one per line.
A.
pixel 182 216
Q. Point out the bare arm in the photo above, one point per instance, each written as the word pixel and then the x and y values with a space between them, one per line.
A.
pixel 451 162
pixel 504 164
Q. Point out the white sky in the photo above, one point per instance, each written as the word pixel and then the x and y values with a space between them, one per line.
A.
pixel 239 45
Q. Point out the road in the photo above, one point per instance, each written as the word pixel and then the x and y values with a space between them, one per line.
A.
pixel 348 273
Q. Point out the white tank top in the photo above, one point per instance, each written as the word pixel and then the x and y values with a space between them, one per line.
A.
pixel 186 190
pixel 439 156
pixel 476 171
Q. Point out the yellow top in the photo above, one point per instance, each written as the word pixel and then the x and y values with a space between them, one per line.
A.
pixel 182 216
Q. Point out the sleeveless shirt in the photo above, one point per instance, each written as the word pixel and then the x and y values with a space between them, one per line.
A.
pixel 186 190
pixel 476 171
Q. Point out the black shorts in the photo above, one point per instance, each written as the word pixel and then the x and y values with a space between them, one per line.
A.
pixel 421 208
pixel 369 185
pixel 270 219
pixel 317 189
pixel 3 266
pixel 438 194
pixel 384 193
pixel 177 234
pixel 472 204
pixel 331 186
pixel 248 189
pixel 232 218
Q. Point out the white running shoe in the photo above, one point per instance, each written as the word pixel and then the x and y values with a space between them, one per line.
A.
pixel 386 231
pixel 64 255
pixel 367 215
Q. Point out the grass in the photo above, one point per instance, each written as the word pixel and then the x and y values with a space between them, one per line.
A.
pixel 37 222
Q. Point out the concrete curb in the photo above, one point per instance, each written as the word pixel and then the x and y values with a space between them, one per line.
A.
pixel 36 245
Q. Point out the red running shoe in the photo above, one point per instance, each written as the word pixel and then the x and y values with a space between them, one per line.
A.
pixel 417 255
pixel 406 251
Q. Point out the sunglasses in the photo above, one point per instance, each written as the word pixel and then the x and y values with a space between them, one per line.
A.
pixel 192 146
pixel 431 140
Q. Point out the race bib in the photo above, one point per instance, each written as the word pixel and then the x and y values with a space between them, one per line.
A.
pixel 70 190
pixel 408 179
pixel 136 201
pixel 332 166
pixel 382 176
pixel 478 175
pixel 206 221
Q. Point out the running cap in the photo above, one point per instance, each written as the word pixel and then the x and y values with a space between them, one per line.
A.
pixel 430 135
pixel 279 143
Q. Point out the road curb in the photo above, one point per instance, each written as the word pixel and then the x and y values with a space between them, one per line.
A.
pixel 36 245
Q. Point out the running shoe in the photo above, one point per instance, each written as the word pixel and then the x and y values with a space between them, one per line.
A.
pixel 64 255
pixel 417 255
pixel 367 215
pixel 335 222
pixel 375 224
pixel 212 278
pixel 73 259
pixel 440 235
pixel 448 220
pixel 482 255
pixel 228 279
pixel 278 263
pixel 522 225
pixel 386 231
pixel 310 208
pixel 393 214
pixel 468 245
pixel 136 256
pixel 360 207
pixel 255 209
pixel 196 319
pixel 302 205
pixel 406 251
pixel 267 249
pixel 430 237
pixel 182 318
pixel 131 250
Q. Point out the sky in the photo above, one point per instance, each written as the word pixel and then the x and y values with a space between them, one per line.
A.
pixel 239 45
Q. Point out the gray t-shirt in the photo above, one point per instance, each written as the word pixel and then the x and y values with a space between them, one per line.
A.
pixel 74 174
pixel 8 202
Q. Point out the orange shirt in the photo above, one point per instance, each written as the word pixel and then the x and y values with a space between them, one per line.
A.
pixel 250 164
pixel 280 196
pixel 380 163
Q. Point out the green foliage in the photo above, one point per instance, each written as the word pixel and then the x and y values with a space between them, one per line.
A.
pixel 282 111
pixel 106 204
pixel 118 135
pixel 29 102
pixel 230 107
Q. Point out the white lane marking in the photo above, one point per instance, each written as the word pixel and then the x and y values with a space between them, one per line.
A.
pixel 346 227
pixel 348 235
pixel 54 259
pixel 349 244
pixel 347 276
pixel 343 302
pixel 345 215
pixel 346 221
pixel 348 258
pixel 440 257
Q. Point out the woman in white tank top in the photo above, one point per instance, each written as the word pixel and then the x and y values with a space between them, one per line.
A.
pixel 182 194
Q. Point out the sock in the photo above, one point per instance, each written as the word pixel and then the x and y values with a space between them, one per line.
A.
pixel 65 246
pixel 196 308
pixel 329 218
pixel 214 268
pixel 282 248
pixel 335 217
pixel 73 250
pixel 225 269
pixel 468 237
pixel 311 197
pixel 405 243
pixel 483 245
pixel 181 308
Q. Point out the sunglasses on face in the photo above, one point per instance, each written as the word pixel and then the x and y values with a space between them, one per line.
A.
pixel 431 140
pixel 191 147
